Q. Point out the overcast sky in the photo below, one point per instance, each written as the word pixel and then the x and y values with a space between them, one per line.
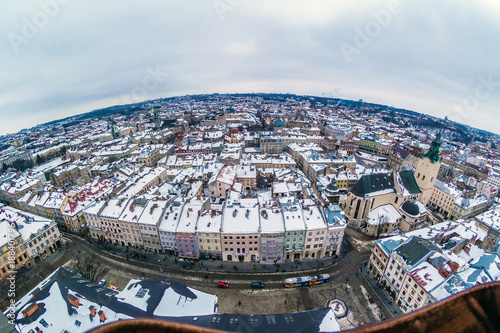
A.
pixel 60 58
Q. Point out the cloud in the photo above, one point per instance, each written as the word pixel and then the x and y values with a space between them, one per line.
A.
pixel 428 58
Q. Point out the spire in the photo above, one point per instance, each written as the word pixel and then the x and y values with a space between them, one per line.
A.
pixel 433 153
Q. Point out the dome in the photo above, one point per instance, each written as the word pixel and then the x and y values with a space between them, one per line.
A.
pixel 332 187
pixel 410 208
pixel 279 123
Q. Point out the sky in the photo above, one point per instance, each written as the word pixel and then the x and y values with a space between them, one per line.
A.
pixel 60 58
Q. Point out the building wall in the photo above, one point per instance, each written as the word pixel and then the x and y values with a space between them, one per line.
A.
pixel 241 247
pixel 426 174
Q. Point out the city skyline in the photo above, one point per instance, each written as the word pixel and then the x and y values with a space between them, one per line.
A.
pixel 64 58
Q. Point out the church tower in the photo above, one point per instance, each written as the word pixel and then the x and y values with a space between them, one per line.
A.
pixel 427 169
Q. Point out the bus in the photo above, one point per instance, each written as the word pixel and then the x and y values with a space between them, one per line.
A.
pixel 307 280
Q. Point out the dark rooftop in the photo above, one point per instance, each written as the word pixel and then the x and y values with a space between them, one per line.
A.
pixel 373 183
pixel 414 249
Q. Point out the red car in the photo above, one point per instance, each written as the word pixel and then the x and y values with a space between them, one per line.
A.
pixel 221 284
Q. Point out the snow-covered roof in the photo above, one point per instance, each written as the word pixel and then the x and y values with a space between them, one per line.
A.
pixel 292 214
pixel 172 216
pixel 241 216
pixel 271 218
pixel 27 224
pixel 313 218
pixel 490 218
pixel 157 299
pixel 383 214
pixel 189 217
pixel 154 210
pixel 210 221
pixel 448 188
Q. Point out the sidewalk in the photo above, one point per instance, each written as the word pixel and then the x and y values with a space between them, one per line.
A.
pixel 389 303
pixel 215 265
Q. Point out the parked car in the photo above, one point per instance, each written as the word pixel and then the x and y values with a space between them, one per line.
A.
pixel 222 284
pixel 102 282
pixel 257 285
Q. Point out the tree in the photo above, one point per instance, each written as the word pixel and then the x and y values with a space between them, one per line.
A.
pixel 39 160
pixel 41 269
pixel 382 220
pixel 87 266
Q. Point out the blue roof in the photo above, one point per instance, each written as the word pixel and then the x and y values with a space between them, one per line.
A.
pixel 388 244
pixel 279 123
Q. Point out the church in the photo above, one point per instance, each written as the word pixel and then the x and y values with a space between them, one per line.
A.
pixel 382 203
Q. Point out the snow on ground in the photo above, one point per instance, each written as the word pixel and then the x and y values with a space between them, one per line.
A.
pixel 361 245
pixel 173 304
pixel 373 307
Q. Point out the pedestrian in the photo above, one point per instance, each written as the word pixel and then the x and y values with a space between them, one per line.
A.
pixel 239 303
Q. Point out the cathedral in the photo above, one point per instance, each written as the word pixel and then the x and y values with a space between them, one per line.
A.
pixel 382 203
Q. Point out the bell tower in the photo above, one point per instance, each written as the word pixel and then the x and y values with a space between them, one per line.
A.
pixel 427 169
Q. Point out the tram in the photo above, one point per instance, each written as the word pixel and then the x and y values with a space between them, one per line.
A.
pixel 307 280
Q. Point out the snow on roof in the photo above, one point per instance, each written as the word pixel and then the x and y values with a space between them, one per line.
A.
pixel 57 315
pixel 174 304
pixel 18 185
pixel 210 221
pixel 292 214
pixel 246 171
pixel 27 224
pixel 226 174
pixel 98 189
pixel 490 218
pixel 241 216
pixel 140 299
pixel 172 215
pixel 313 218
pixel 50 165
pixel 448 188
pixel 466 203
pixel 7 233
pixel 490 262
pixel 129 295
pixel 329 323
pixel 187 222
pixel 427 276
pixel 55 200
pixel 280 187
pixel 115 207
pixel 134 209
pixel 94 208
pixel 271 218
pixel 153 211
pixel 384 214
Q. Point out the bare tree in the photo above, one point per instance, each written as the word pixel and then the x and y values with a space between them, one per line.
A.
pixel 87 266
pixel 42 269
pixel 382 220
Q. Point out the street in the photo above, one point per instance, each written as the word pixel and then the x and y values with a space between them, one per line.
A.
pixel 347 282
